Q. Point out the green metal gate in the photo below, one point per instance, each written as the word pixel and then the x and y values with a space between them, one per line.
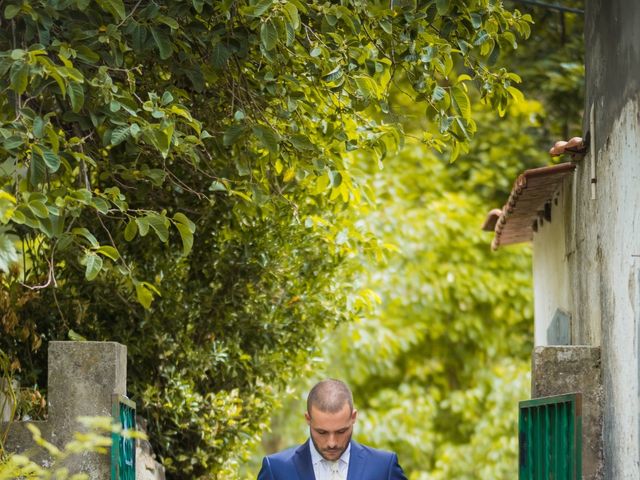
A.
pixel 550 434
pixel 123 449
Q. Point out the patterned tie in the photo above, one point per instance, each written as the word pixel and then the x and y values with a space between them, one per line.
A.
pixel 335 471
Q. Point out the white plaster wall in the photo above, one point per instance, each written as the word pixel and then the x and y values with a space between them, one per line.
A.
pixel 550 269
pixel 605 237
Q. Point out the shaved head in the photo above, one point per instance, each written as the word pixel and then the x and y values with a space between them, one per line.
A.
pixel 330 396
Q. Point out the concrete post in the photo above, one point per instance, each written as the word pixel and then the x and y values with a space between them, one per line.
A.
pixel 82 377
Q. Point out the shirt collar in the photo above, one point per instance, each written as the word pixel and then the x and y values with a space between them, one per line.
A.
pixel 317 458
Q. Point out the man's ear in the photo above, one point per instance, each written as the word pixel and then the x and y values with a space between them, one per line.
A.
pixel 354 414
pixel 307 417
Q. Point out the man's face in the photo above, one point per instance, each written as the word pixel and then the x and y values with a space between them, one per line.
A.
pixel 331 432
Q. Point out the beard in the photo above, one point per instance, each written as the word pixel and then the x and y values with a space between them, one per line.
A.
pixel 331 454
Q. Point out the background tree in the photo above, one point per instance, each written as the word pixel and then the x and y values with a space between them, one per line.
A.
pixel 439 366
pixel 177 176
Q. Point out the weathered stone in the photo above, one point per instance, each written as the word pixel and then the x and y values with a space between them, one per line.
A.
pixel 82 378
pixel 147 468
pixel 558 370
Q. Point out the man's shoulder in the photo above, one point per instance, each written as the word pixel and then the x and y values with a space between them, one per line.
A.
pixel 284 455
pixel 367 450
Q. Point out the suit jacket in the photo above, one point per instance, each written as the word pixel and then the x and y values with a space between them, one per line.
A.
pixel 365 463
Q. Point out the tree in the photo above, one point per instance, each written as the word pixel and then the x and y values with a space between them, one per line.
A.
pixel 438 367
pixel 177 176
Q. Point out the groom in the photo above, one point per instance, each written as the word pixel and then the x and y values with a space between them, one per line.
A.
pixel 331 454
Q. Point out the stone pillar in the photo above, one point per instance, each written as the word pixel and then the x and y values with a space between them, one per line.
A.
pixel 82 378
pixel 557 370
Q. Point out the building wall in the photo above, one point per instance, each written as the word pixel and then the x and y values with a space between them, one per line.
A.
pixel 603 237
pixel 550 268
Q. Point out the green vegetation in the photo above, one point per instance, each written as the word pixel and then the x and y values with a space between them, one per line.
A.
pixel 200 181
pixel 96 438
pixel 439 366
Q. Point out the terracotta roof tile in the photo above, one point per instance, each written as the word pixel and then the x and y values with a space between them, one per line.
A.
pixel 532 190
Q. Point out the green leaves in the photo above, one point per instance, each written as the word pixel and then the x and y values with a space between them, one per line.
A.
pixel 114 7
pixel 93 265
pixel 291 12
pixel 269 35
pixel 108 251
pixel 165 47
pixel 186 228
pixel 160 136
pixel 19 77
pixel 8 253
pixel 38 208
pixel 119 134
pixel 130 230
pixel 260 7
pixel 160 224
pixel 50 158
pixel 11 11
pixel 461 101
pixel 268 137
pixel 87 235
pixel 442 6
pixel 145 292
pixel 37 169
pixel 301 142
pixel 232 134
pixel 247 118
pixel 219 55
pixel 76 95
pixel 333 75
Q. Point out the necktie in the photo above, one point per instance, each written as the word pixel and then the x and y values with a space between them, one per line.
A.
pixel 335 471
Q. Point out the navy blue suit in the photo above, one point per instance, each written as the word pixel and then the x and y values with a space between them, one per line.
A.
pixel 364 464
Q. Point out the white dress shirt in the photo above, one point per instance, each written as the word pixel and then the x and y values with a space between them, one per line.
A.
pixel 322 467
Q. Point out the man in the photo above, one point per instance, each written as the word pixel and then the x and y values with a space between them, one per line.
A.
pixel 331 454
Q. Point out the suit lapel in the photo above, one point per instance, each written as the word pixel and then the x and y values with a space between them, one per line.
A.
pixel 356 461
pixel 302 461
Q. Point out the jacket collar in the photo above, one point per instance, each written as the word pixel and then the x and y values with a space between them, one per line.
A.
pixel 356 461
pixel 304 466
pixel 302 461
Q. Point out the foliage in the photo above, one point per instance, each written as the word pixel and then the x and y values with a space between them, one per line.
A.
pixel 96 439
pixel 437 369
pixel 177 176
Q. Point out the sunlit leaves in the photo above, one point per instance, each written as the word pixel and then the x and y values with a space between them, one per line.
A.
pixel 145 292
pixel 125 125
pixel 93 263
pixel 8 252
pixel 268 138
pixel 186 228
pixel 461 101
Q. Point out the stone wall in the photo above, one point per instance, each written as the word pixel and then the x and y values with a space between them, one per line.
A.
pixel 82 378
pixel 604 234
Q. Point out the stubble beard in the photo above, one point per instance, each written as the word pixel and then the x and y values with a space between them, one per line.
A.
pixel 337 452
